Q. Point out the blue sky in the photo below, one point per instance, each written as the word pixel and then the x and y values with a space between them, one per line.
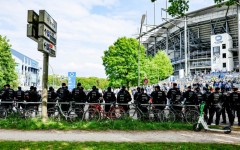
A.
pixel 85 28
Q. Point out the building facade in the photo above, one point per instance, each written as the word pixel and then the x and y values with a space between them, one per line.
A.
pixel 204 41
pixel 27 69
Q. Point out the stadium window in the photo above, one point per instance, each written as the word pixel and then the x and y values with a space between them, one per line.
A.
pixel 224 55
pixel 223 46
pixel 224 65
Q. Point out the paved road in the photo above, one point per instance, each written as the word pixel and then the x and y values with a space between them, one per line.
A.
pixel 121 136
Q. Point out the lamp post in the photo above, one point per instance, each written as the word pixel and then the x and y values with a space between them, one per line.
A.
pixel 142 21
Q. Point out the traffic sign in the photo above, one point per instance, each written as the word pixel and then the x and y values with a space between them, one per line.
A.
pixel 44 17
pixel 47 47
pixel 71 80
pixel 47 33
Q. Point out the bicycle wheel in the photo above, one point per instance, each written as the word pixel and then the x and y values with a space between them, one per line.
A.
pixel 32 113
pixel 134 114
pixel 167 116
pixel 92 114
pixel 179 117
pixel 117 113
pixel 154 115
pixel 54 114
pixel 191 116
pixel 3 113
pixel 76 114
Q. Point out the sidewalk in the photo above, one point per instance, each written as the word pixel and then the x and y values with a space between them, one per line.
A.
pixel 121 136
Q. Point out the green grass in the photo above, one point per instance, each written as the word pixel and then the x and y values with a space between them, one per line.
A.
pixel 15 145
pixel 126 124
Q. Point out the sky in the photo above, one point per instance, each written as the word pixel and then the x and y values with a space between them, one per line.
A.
pixel 85 29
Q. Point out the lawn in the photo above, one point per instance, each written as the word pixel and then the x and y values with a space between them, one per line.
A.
pixel 15 145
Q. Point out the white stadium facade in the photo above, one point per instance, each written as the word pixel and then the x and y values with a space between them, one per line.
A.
pixel 204 41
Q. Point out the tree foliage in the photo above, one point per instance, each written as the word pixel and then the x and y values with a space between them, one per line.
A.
pixel 8 74
pixel 87 82
pixel 121 62
pixel 178 7
pixel 158 67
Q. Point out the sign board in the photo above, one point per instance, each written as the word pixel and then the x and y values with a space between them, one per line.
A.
pixel 71 80
pixel 47 33
pixel 32 17
pixel 145 81
pixel 44 17
pixel 47 47
pixel 32 32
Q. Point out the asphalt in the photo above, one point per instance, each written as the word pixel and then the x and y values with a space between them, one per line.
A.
pixel 121 136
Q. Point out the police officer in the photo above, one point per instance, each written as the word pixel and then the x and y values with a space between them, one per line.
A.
pixel 235 104
pixel 19 95
pixel 8 96
pixel 137 94
pixel 215 104
pixel 93 96
pixel 33 97
pixel 52 95
pixel 159 97
pixel 64 95
pixel 189 97
pixel 143 98
pixel 174 94
pixel 124 97
pixel 79 96
pixel 226 107
pixel 109 97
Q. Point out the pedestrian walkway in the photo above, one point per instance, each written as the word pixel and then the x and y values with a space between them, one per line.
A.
pixel 121 136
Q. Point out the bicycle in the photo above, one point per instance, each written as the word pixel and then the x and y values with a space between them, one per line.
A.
pixel 96 112
pixel 185 114
pixel 73 114
pixel 137 113
pixel 11 110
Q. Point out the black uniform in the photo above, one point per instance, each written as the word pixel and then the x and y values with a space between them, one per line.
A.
pixel 93 96
pixel 8 96
pixel 143 98
pixel 52 95
pixel 64 95
pixel 109 97
pixel 159 97
pixel 79 96
pixel 215 104
pixel 190 98
pixel 124 96
pixel 174 95
pixel 234 99
pixel 19 94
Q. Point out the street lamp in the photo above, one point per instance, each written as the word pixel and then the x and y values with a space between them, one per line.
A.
pixel 142 21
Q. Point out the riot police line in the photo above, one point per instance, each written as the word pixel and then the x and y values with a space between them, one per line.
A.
pixel 216 102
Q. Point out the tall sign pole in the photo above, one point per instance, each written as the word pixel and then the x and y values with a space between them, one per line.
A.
pixel 42 29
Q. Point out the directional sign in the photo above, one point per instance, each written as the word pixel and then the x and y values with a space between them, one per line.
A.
pixel 47 33
pixel 71 80
pixel 44 17
pixel 32 17
pixel 47 47
pixel 32 32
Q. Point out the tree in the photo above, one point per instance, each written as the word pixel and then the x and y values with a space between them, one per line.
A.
pixel 8 74
pixel 121 62
pixel 158 67
pixel 178 7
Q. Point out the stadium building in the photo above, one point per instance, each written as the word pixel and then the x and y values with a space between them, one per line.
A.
pixel 27 70
pixel 204 41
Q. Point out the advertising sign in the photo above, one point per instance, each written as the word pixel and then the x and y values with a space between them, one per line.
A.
pixel 71 80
